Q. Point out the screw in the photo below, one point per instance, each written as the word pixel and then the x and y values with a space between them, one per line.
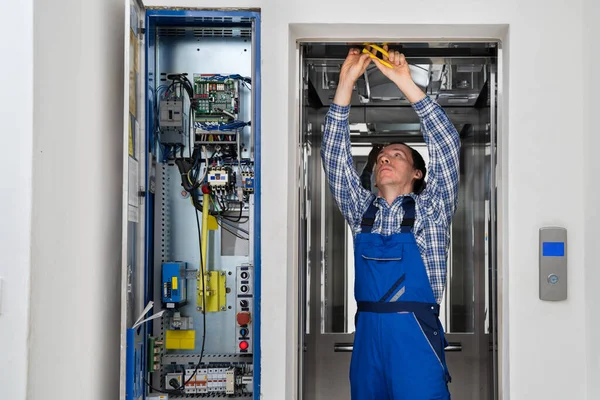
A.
pixel 223 308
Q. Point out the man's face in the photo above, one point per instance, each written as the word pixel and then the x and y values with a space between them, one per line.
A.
pixel 395 167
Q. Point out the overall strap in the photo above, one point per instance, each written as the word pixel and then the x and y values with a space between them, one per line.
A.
pixel 366 225
pixel 408 221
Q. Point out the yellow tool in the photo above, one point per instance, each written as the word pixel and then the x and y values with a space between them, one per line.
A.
pixel 373 56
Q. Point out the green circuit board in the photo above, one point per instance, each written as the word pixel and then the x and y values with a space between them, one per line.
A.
pixel 215 100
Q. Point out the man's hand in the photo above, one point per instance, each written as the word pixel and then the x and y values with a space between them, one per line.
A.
pixel 400 75
pixel 353 67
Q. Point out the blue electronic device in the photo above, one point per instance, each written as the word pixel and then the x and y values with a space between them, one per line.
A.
pixel 174 283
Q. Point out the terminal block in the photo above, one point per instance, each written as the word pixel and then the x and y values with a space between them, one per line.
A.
pixel 154 353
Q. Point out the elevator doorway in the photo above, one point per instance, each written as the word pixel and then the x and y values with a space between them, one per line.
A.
pixel 462 77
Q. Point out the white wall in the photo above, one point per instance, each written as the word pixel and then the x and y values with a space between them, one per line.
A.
pixel 545 136
pixel 77 177
pixel 76 241
pixel 591 31
pixel 16 107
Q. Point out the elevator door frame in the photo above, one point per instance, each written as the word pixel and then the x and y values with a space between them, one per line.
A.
pixel 495 236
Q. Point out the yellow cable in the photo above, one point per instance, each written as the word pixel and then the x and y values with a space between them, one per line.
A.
pixel 204 246
pixel 379 49
pixel 205 200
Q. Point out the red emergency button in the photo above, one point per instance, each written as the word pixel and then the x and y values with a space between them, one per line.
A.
pixel 243 318
pixel 244 345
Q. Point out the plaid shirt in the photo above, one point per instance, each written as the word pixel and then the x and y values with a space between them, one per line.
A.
pixel 434 207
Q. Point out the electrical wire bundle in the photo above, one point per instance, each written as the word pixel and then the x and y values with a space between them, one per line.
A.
pixel 224 218
pixel 189 170
pixel 217 126
pixel 246 81
pixel 183 81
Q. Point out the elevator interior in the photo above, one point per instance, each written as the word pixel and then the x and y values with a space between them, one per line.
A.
pixel 462 78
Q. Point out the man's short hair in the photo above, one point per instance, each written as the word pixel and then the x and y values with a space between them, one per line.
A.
pixel 418 163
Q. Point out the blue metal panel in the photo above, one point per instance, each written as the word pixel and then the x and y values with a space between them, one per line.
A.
pixel 197 17
pixel 256 85
pixel 134 369
pixel 149 211
pixel 130 364
pixel 150 119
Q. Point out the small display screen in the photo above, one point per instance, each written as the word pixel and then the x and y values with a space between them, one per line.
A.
pixel 553 249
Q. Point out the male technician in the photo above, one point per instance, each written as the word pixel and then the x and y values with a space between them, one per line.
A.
pixel 400 242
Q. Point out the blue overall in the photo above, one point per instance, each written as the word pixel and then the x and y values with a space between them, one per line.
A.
pixel 399 341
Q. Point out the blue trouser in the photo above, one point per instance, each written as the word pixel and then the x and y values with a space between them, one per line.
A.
pixel 399 340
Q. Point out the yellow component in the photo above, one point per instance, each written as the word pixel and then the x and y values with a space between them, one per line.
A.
pixel 379 49
pixel 181 340
pixel 212 223
pixel 214 281
pixel 215 284
pixel 205 205
pixel 174 283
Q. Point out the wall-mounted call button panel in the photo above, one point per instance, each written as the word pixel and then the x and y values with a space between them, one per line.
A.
pixel 553 264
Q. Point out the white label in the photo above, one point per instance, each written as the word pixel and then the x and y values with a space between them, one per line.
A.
pixel 133 185
pixel 133 214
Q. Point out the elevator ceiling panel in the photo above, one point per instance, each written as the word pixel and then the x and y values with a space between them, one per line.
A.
pixel 453 74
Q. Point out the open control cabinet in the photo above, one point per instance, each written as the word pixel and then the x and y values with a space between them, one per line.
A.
pixel 191 204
